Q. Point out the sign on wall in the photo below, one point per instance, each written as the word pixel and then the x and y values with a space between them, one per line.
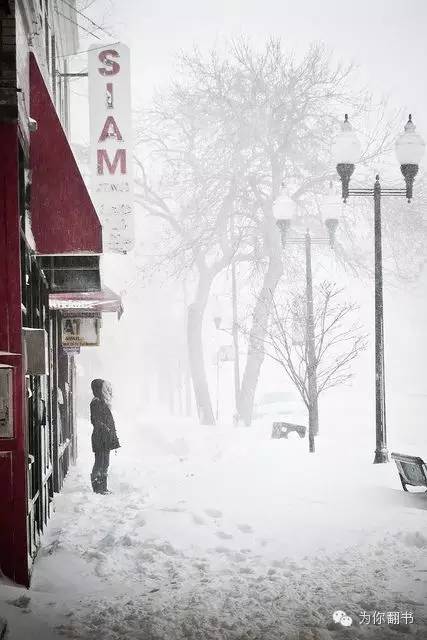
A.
pixel 6 403
pixel 80 331
pixel 111 144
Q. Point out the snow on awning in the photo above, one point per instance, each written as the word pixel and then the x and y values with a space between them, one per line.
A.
pixel 103 301
pixel 64 220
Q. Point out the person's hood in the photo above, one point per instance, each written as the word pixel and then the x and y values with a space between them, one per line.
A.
pixel 97 385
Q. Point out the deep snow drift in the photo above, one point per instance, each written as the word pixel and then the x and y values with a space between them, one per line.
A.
pixel 222 533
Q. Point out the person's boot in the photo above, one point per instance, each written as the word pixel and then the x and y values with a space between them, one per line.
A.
pixel 104 490
pixel 95 484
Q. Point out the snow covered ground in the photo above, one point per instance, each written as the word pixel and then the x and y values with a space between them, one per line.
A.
pixel 222 533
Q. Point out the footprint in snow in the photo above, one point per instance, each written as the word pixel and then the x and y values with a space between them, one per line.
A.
pixel 51 548
pixel 22 602
pixel 126 541
pixel 213 513
pixel 245 528
pixel 246 570
pixel 239 557
pixel 93 554
pixel 263 542
pixel 108 541
pixel 197 519
pixel 223 535
pixel 133 507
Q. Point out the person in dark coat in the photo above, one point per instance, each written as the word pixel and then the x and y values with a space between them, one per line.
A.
pixel 104 436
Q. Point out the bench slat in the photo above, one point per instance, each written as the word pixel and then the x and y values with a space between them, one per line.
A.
pixel 412 470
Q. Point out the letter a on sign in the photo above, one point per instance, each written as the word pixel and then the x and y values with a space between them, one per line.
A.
pixel 110 144
pixel 110 130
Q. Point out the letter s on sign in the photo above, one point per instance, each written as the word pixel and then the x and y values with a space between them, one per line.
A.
pixel 104 58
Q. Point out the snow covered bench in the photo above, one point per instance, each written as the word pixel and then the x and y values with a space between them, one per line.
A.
pixel 412 470
pixel 283 429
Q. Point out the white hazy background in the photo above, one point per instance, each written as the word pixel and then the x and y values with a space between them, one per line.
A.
pixel 386 41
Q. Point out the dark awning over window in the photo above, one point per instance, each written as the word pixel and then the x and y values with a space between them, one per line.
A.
pixel 63 217
pixel 100 301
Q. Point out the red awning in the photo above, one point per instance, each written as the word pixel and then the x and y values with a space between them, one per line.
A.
pixel 97 301
pixel 63 217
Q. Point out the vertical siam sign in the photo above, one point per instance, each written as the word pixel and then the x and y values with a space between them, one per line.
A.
pixel 111 144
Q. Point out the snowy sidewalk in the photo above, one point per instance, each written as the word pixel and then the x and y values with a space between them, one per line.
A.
pixel 215 533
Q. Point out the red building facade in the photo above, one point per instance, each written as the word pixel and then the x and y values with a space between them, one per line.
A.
pixel 50 246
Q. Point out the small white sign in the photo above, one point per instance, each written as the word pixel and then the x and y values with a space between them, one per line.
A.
pixel 80 332
pixel 111 144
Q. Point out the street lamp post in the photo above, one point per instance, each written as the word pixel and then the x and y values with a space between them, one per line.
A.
pixel 409 151
pixel 284 224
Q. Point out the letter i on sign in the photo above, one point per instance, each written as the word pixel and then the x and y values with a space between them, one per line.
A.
pixel 109 96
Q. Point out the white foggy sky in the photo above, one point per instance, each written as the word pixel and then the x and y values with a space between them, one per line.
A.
pixel 385 38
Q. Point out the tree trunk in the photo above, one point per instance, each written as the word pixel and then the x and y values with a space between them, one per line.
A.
pixel 256 355
pixel 195 350
pixel 313 426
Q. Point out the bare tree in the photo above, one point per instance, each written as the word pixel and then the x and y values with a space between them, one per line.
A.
pixel 217 144
pixel 194 198
pixel 339 340
pixel 95 20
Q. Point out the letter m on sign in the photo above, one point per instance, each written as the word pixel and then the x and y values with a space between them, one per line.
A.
pixel 103 161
